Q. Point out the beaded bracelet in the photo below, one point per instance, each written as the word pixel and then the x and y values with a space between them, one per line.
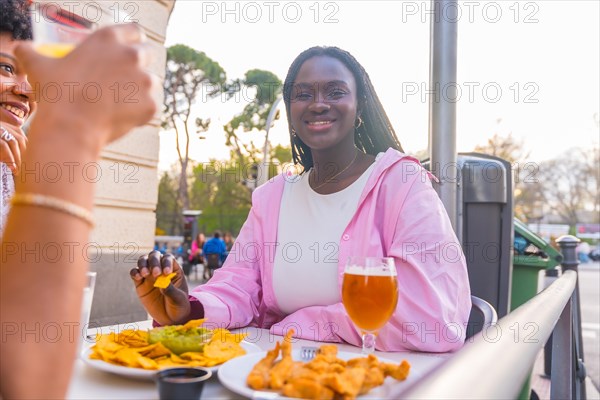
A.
pixel 40 200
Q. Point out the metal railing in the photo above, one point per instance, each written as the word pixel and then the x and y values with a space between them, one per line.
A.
pixel 499 359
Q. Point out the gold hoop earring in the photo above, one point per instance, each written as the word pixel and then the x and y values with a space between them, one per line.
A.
pixel 360 123
pixel 294 132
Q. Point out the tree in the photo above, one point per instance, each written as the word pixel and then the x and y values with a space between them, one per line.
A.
pixel 255 113
pixel 570 183
pixel 283 154
pixel 505 147
pixel 528 196
pixel 218 189
pixel 168 209
pixel 218 192
pixel 591 169
pixel 188 72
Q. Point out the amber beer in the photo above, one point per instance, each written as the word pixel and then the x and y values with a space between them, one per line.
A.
pixel 369 297
pixel 56 31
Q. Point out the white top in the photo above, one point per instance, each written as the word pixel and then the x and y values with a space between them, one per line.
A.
pixel 305 271
pixel 7 189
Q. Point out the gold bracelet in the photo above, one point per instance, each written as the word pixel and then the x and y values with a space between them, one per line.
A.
pixel 41 200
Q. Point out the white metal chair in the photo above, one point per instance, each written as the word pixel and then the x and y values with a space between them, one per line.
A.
pixel 483 315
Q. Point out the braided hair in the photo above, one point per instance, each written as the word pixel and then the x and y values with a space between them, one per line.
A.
pixel 375 134
pixel 14 19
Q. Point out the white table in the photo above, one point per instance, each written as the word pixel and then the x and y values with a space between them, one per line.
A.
pixel 88 383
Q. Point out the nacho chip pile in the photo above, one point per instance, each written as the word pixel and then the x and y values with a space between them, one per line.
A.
pixel 324 377
pixel 131 348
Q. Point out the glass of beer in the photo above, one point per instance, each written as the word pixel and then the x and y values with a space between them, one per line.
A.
pixel 57 31
pixel 370 295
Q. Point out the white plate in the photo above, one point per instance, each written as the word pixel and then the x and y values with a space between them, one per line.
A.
pixel 234 372
pixel 140 373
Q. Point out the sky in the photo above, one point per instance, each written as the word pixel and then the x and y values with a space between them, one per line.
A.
pixel 528 68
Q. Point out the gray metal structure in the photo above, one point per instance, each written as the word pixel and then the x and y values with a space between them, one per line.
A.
pixel 484 226
pixel 442 110
pixel 263 167
pixel 490 317
pixel 570 262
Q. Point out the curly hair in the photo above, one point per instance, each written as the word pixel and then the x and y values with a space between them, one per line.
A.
pixel 374 135
pixel 14 19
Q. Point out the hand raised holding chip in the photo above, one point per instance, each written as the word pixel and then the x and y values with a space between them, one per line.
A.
pixel 161 287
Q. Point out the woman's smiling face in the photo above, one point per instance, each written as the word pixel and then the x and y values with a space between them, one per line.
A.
pixel 324 103
pixel 16 99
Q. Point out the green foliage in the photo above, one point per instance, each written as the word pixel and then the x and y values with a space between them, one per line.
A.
pixel 254 116
pixel 168 209
pixel 267 84
pixel 196 60
pixel 219 190
pixel 282 153
pixel 187 72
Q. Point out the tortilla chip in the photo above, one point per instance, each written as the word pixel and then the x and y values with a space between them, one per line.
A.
pixel 157 350
pixel 163 282
pixel 128 357
pixel 147 363
pixel 132 338
pixel 193 323
pixel 107 345
pixel 168 363
pixel 223 335
pixel 221 351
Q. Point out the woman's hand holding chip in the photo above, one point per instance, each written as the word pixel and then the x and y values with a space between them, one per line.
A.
pixel 169 305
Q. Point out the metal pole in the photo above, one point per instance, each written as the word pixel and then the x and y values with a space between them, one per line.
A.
pixel 570 262
pixel 263 168
pixel 442 103
pixel 551 276
pixel 563 371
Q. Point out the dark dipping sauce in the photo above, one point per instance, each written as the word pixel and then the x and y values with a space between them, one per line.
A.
pixel 182 379
pixel 181 383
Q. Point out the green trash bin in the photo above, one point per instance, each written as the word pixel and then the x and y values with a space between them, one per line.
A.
pixel 531 255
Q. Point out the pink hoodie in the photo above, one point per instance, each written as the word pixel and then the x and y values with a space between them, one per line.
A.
pixel 399 215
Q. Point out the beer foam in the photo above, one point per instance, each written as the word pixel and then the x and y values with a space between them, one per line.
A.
pixel 358 270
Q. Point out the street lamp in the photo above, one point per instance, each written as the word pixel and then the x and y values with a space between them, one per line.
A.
pixel 190 225
pixel 263 167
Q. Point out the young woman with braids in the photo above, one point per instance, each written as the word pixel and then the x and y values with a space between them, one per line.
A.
pixel 358 194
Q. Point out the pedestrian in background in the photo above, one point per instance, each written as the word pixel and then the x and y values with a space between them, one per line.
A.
pixel 214 251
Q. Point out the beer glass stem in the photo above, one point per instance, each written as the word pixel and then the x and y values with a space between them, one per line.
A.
pixel 368 340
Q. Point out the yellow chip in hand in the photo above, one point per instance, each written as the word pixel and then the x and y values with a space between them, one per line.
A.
pixel 162 282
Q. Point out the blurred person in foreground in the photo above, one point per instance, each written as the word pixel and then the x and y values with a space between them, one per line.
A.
pixel 358 194
pixel 69 133
pixel 16 100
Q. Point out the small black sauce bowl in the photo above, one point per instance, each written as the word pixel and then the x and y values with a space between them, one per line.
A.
pixel 181 383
